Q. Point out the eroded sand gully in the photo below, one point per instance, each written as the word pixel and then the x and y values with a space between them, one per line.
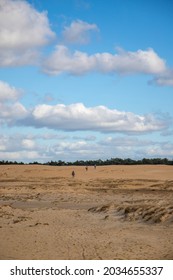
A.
pixel 111 212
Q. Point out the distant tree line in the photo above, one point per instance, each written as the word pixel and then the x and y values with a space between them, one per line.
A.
pixel 112 161
pixel 3 162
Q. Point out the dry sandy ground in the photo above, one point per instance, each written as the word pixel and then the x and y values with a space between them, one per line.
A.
pixel 111 212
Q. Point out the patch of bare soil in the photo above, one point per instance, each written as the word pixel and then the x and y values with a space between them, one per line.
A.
pixel 111 212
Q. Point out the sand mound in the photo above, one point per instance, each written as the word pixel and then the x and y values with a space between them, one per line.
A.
pixel 138 212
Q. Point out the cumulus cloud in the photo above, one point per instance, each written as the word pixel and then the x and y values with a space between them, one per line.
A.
pixel 135 147
pixel 16 142
pixel 10 113
pixel 78 32
pixel 28 144
pixel 122 142
pixel 123 62
pixel 8 93
pixel 77 117
pixel 74 117
pixel 15 58
pixel 21 147
pixel 22 30
pixel 10 109
pixel 21 156
pixel 160 150
pixel 164 79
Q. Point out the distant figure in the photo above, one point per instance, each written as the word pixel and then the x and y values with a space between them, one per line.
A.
pixel 86 168
pixel 73 174
pixel 95 166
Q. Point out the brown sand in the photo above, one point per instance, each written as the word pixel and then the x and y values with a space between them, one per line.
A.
pixel 111 212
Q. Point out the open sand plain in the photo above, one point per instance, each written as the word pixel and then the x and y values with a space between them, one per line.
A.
pixel 111 212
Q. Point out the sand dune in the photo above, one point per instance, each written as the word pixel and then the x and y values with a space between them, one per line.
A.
pixel 111 212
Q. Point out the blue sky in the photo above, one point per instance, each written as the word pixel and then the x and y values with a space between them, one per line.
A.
pixel 82 79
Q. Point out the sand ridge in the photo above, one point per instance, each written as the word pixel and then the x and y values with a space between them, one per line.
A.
pixel 111 212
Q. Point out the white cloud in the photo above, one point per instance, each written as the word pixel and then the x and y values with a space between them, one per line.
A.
pixel 74 117
pixel 123 62
pixel 130 147
pixel 164 79
pixel 8 93
pixel 28 144
pixel 22 31
pixel 11 113
pixel 136 148
pixel 19 147
pixel 22 147
pixel 78 32
pixel 20 156
pixel 131 142
pixel 10 109
pixel 71 151
pixel 77 117
pixel 160 150
pixel 12 58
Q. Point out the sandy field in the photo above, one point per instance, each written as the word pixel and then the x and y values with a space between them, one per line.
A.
pixel 111 212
